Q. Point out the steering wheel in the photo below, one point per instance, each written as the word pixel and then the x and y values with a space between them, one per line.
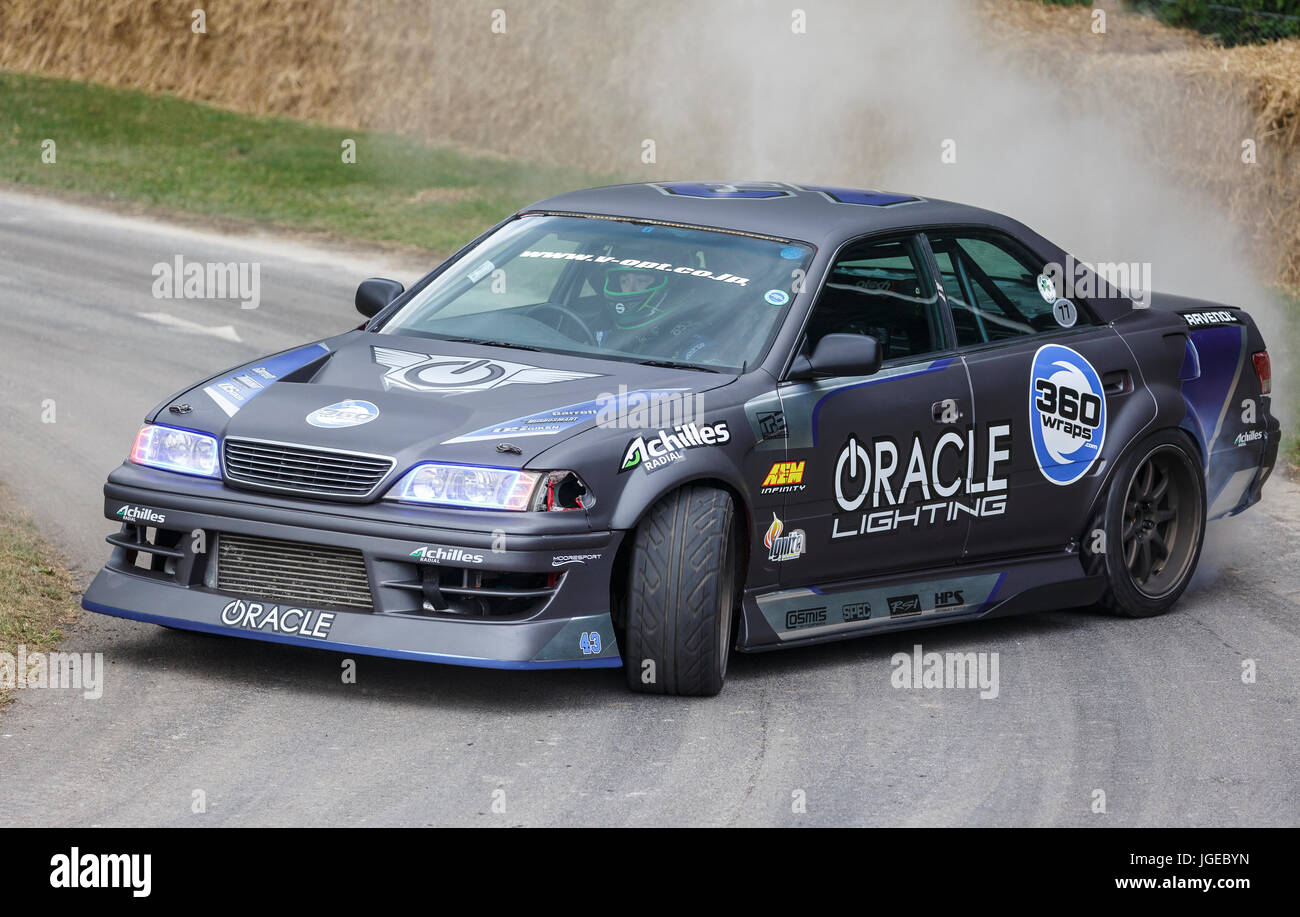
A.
pixel 569 314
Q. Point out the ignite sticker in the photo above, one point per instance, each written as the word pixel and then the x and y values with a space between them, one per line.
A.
pixel 783 547
pixel 1067 413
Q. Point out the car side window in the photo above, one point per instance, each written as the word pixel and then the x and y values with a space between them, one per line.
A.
pixel 991 283
pixel 880 288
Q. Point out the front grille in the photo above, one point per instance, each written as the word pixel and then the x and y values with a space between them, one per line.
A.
pixel 306 574
pixel 302 469
pixel 470 592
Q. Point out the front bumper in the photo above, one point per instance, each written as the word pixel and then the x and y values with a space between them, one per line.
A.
pixel 486 596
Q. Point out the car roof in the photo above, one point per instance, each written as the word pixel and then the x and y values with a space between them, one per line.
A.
pixel 818 214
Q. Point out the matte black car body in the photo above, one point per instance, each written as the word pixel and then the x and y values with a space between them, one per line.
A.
pixel 813 570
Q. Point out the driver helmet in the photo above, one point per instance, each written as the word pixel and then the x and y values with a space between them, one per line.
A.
pixel 638 293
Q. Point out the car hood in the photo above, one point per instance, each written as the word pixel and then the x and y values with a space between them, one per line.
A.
pixel 417 399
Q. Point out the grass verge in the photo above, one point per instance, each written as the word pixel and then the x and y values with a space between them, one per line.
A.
pixel 168 154
pixel 38 596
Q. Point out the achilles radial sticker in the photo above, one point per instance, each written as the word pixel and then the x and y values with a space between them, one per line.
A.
pixel 1067 413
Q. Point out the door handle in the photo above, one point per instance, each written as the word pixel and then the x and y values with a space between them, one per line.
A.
pixel 1118 382
pixel 945 411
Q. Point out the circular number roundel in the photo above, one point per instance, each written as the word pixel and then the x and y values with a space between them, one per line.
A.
pixel 1067 413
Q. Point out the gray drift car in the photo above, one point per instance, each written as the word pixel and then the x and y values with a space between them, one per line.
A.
pixel 645 425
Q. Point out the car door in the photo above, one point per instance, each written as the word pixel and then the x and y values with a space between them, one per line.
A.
pixel 881 459
pixel 1040 366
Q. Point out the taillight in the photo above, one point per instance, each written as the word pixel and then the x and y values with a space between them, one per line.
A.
pixel 1264 370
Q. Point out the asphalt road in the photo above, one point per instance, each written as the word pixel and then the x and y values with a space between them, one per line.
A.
pixel 1153 713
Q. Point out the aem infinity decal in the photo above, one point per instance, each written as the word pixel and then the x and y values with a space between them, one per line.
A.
pixel 1067 413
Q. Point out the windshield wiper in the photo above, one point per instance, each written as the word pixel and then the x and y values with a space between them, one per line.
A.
pixel 493 343
pixel 672 364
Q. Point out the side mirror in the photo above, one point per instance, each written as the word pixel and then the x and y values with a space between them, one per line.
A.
pixel 839 355
pixel 374 295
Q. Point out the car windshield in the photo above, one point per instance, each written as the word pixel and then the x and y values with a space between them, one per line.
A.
pixel 615 289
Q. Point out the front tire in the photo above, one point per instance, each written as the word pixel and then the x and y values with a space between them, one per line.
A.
pixel 682 588
pixel 1154 523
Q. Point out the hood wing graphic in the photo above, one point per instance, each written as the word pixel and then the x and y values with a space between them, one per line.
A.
pixel 451 374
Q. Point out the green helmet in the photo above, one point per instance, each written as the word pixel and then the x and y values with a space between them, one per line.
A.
pixel 638 294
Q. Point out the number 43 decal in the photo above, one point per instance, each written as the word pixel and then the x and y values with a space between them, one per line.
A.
pixel 589 643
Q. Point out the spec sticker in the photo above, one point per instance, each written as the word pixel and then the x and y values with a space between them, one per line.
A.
pixel 1065 313
pixel 1067 413
pixel 343 414
pixel 777 297
pixel 855 611
pixel 1046 288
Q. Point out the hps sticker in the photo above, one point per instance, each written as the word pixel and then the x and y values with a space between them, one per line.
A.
pixel 1067 413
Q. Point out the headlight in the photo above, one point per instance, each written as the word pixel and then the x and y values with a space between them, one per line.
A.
pixel 171 449
pixel 477 487
pixel 469 486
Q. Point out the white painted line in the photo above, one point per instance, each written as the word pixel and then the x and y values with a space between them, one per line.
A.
pixel 225 332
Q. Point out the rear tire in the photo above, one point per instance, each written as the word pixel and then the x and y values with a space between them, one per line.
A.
pixel 1154 522
pixel 682 589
